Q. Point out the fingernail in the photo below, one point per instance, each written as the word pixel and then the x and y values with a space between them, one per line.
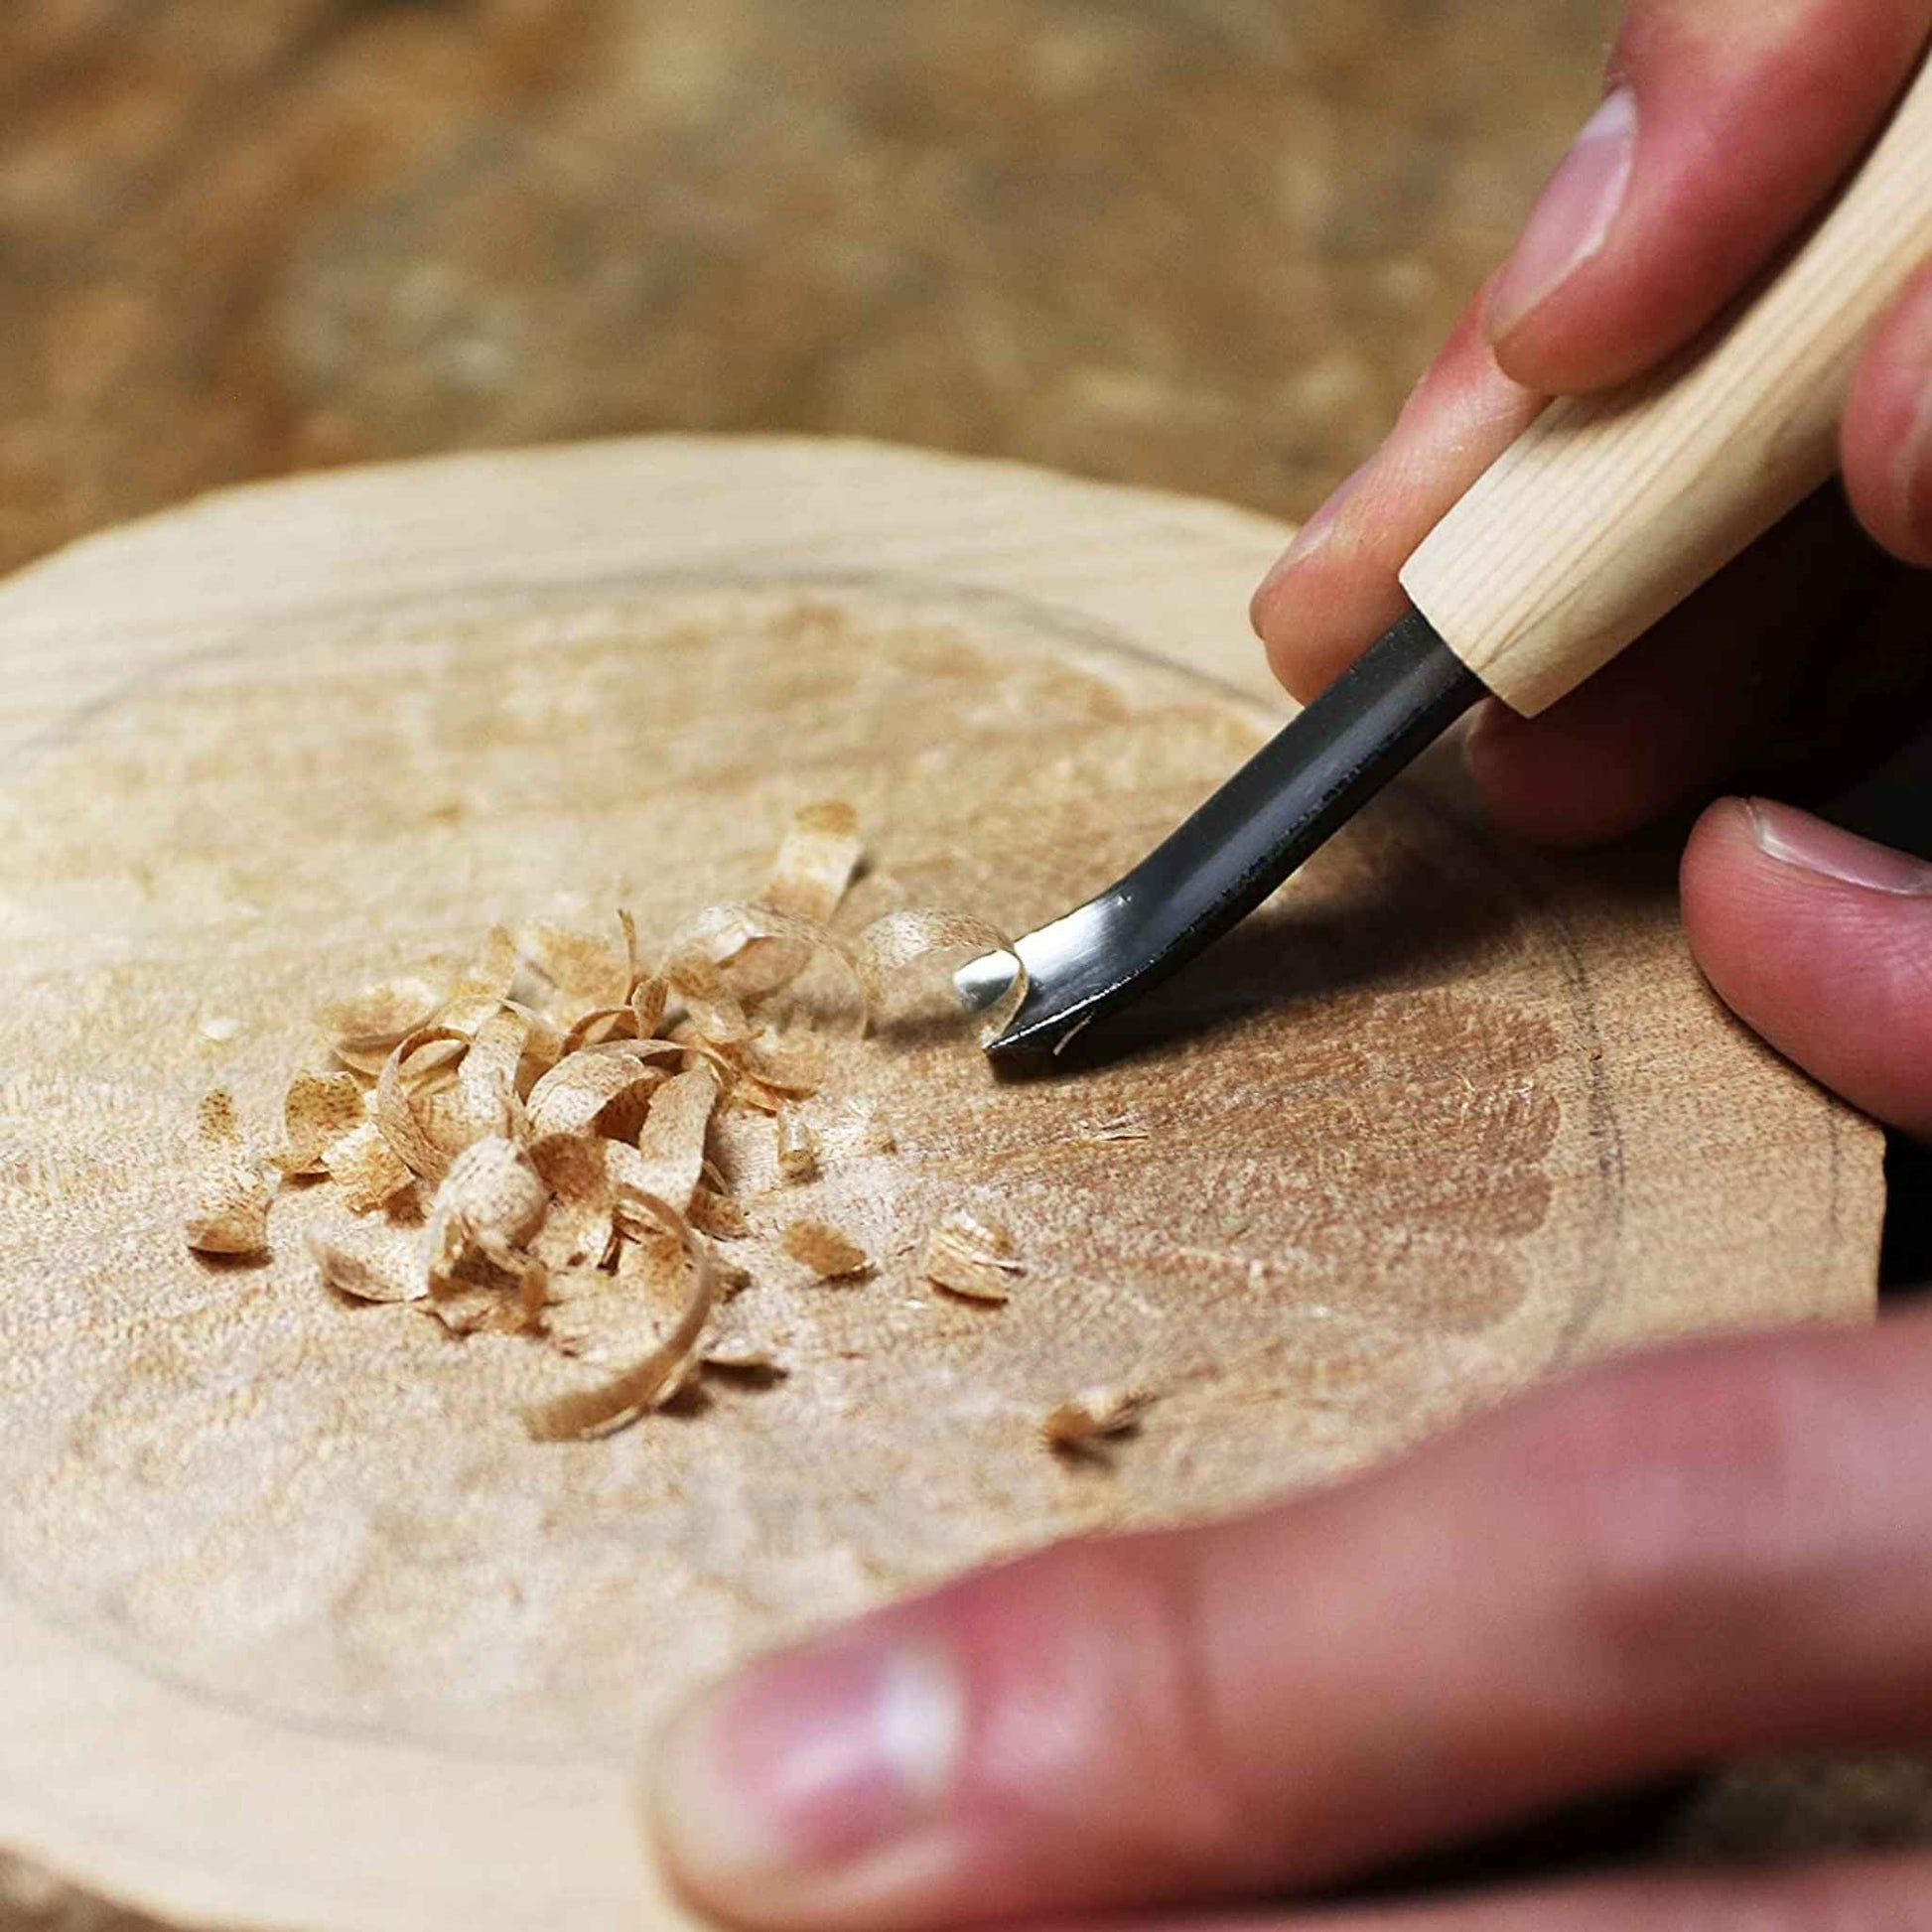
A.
pixel 809 1763
pixel 1795 838
pixel 1572 220
pixel 1316 530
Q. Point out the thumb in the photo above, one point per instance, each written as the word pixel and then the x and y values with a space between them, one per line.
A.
pixel 1821 942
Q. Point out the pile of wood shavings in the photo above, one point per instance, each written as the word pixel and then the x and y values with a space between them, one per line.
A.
pixel 518 1150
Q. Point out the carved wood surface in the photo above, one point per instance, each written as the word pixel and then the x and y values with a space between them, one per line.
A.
pixel 297 1629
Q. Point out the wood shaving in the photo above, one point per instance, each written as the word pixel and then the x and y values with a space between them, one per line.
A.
pixel 741 1355
pixel 484 989
pixel 754 950
pixel 1093 1415
pixel 890 947
pixel 374 1020
pixel 488 1208
pixel 585 972
pixel 717 1216
pixel 971 1256
pixel 526 1152
pixel 318 1109
pixel 372 1261
pixel 829 1254
pixel 655 1380
pixel 395 1113
pixel 481 1100
pixel 577 1091
pixel 668 1161
pixel 367 1169
pixel 649 998
pixel 599 1027
pixel 711 1009
pixel 580 1228
pixel 818 862
pixel 797 1148
pixel 795 1067
pixel 227 1212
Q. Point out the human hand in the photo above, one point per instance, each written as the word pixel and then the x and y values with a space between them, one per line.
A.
pixel 1727 123
pixel 1719 1549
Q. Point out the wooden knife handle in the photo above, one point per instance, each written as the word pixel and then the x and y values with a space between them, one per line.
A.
pixel 1614 509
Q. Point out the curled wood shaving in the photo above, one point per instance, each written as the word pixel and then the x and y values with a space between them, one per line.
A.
pixel 318 1109
pixel 797 1148
pixel 668 1161
pixel 1093 1416
pixel 648 1000
pixel 484 989
pixel 374 1020
pixel 586 971
pixel 579 1227
pixel 784 1066
pixel 890 947
pixel 489 1206
pixel 655 1380
pixel 570 1096
pixel 481 1100
pixel 717 1216
pixel 227 1212
pixel 395 1114
pixel 371 1261
pixel 711 1009
pixel 598 1028
pixel 971 1256
pixel 818 862
pixel 543 1044
pixel 756 951
pixel 367 1169
pixel 829 1254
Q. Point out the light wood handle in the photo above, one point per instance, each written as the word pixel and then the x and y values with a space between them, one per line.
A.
pixel 1612 509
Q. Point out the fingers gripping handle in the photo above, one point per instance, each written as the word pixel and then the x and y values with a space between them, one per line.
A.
pixel 1612 509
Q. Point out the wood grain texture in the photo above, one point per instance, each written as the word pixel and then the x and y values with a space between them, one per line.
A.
pixel 297 1630
pixel 1611 509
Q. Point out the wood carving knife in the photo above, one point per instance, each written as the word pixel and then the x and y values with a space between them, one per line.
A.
pixel 1599 520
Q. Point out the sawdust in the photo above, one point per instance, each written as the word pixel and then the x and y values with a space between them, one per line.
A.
pixel 526 1152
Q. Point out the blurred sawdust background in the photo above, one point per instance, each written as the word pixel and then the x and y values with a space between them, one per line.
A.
pixel 1206 245
pixel 1203 244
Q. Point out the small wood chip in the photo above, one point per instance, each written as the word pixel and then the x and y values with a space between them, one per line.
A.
pixel 1085 1420
pixel 741 1355
pixel 829 1254
pixel 797 1148
pixel 374 1020
pixel 717 1216
pixel 971 1256
pixel 318 1109
pixel 371 1261
pixel 227 1212
pixel 366 1169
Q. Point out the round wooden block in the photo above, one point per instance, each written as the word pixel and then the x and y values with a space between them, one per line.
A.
pixel 298 1628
